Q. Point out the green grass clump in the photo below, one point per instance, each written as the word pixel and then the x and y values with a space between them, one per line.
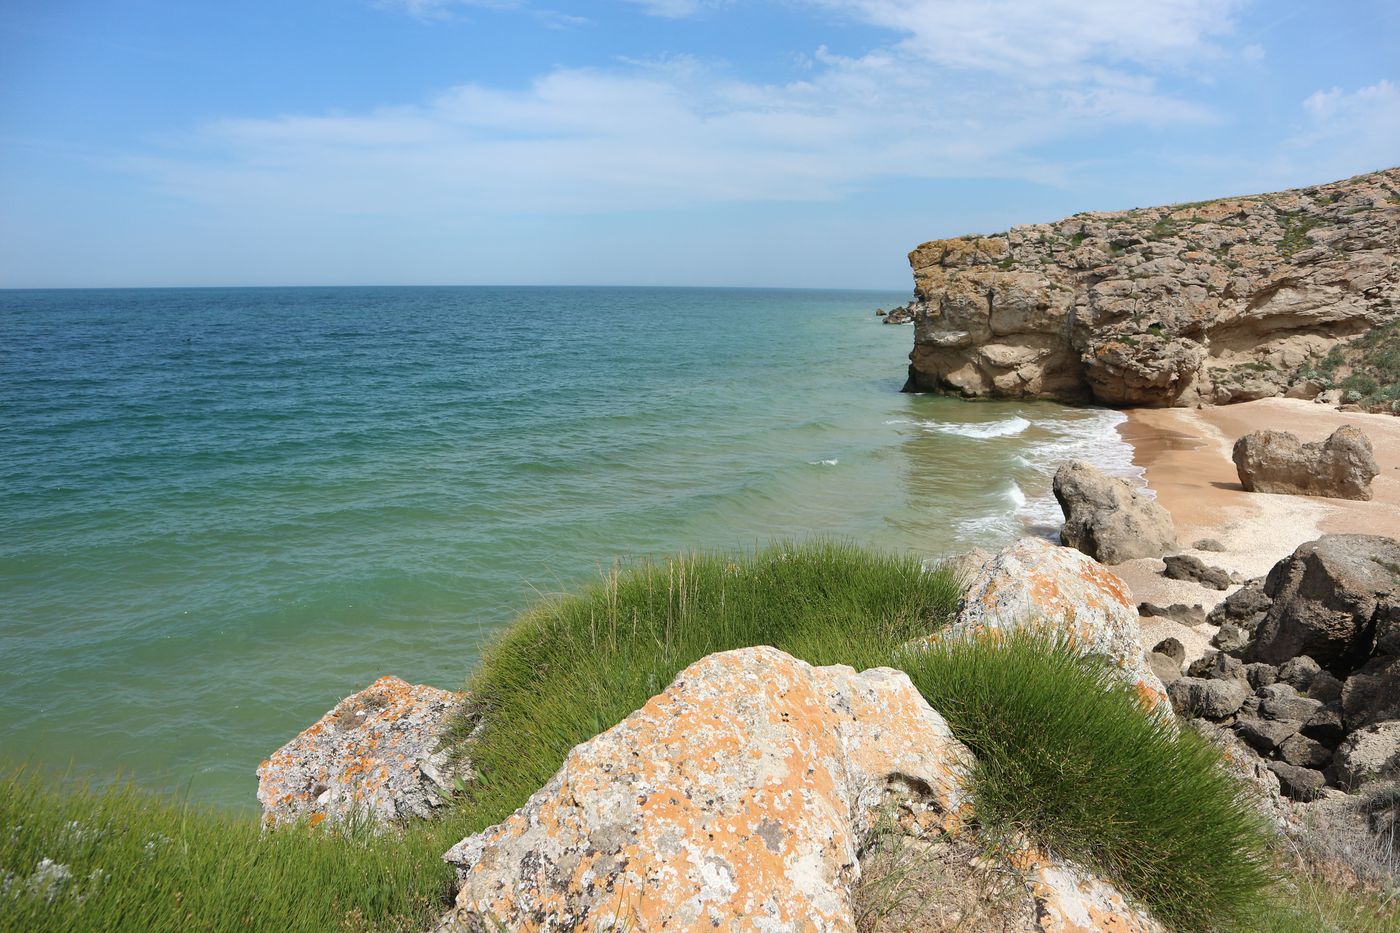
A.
pixel 576 665
pixel 131 861
pixel 1067 756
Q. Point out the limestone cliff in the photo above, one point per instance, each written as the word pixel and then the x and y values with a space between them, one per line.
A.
pixel 1219 301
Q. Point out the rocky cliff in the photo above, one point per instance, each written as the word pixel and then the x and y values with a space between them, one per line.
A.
pixel 1219 301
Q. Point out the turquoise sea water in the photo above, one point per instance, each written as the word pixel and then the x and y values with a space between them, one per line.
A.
pixel 223 510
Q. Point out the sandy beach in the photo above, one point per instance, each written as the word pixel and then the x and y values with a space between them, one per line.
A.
pixel 1186 456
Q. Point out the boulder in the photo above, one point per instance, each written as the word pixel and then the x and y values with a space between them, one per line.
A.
pixel 375 756
pixel 1260 675
pixel 1230 637
pixel 1108 519
pixel 744 792
pixel 1341 467
pixel 1298 672
pixel 1172 648
pixel 1177 612
pixel 1265 735
pixel 1186 567
pixel 1329 597
pixel 1209 544
pixel 1298 783
pixel 1211 699
pixel 1325 725
pixel 1035 585
pixel 1325 687
pixel 1305 752
pixel 1245 607
pixel 1164 666
pixel 1372 694
pixel 1280 701
pixel 1367 754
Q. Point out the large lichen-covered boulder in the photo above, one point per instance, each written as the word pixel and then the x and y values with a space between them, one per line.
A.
pixel 1035 585
pixel 1330 596
pixel 738 798
pixel 1106 518
pixel 1340 467
pixel 375 758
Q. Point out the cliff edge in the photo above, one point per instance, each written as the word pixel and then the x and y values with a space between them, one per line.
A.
pixel 1218 301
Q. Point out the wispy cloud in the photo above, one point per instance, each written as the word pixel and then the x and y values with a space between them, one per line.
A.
pixel 960 90
pixel 430 10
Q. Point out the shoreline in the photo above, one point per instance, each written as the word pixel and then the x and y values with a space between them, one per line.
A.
pixel 1185 456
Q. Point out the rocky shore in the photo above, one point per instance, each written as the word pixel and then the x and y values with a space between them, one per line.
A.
pixel 1220 301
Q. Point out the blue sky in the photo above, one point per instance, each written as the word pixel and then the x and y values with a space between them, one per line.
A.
pixel 685 142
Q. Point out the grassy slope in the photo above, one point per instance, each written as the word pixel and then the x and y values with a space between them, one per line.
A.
pixel 1066 757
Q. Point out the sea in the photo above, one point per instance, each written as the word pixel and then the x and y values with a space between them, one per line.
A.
pixel 222 510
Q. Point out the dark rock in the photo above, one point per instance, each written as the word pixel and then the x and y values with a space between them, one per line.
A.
pixel 1164 666
pixel 1298 783
pixel 1177 612
pixel 1208 544
pixel 1340 467
pixel 1260 674
pixel 1325 725
pixel 1328 598
pixel 1202 665
pixel 1298 672
pixel 1225 667
pixel 1186 567
pixel 1108 519
pixel 1230 637
pixel 1173 649
pixel 1325 687
pixel 1280 701
pixel 1249 600
pixel 1367 754
pixel 1213 699
pixel 1372 694
pixel 1265 735
pixel 1305 752
pixel 1250 707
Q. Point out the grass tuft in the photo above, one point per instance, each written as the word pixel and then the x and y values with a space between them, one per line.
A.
pixel 1067 756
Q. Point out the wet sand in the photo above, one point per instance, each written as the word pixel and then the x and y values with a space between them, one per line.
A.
pixel 1186 456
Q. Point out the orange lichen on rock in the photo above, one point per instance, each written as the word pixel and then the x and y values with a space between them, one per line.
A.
pixel 375 755
pixel 742 795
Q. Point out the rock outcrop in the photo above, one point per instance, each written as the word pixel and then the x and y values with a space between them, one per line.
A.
pixel 1340 467
pixel 1221 301
pixel 743 798
pixel 746 790
pixel 1318 700
pixel 374 757
pixel 1106 518
pixel 1035 585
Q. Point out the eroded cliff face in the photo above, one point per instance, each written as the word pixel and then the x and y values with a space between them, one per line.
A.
pixel 1220 301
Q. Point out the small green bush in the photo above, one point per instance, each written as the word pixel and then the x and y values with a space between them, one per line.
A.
pixel 1067 755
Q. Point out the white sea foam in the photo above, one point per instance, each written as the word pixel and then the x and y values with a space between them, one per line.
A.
pixel 832 462
pixel 1093 438
pixel 1005 428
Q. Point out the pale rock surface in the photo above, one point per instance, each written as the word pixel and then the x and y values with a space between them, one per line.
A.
pixel 1340 467
pixel 1033 584
pixel 375 757
pixel 1106 518
pixel 739 798
pixel 1217 302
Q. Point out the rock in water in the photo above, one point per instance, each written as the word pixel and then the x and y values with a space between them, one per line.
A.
pixel 374 756
pixel 1035 585
pixel 742 794
pixel 1106 518
pixel 1330 598
pixel 1340 467
pixel 1219 302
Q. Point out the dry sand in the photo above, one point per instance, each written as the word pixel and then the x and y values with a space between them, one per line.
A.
pixel 1186 455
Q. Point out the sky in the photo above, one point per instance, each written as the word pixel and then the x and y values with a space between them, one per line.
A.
pixel 795 143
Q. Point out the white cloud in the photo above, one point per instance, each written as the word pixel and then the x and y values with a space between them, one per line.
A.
pixel 1354 131
pixel 1051 40
pixel 674 132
